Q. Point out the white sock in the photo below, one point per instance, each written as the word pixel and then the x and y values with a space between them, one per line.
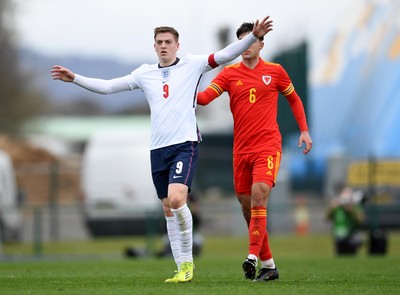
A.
pixel 174 239
pixel 184 224
pixel 253 257
pixel 268 263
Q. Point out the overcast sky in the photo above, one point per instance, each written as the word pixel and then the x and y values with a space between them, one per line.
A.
pixel 123 29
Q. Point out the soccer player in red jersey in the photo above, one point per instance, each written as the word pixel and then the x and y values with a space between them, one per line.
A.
pixel 253 86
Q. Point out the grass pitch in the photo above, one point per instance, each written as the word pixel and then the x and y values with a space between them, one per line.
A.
pixel 306 264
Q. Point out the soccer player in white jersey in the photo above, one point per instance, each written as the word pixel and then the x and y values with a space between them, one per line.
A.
pixel 171 88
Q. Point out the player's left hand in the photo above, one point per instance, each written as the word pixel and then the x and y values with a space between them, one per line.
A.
pixel 261 28
pixel 306 138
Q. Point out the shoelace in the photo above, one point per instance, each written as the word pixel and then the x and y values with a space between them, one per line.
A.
pixel 185 266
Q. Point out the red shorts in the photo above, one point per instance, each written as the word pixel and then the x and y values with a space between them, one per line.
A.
pixel 255 167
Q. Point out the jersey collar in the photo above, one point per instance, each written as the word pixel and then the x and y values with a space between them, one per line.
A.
pixel 174 63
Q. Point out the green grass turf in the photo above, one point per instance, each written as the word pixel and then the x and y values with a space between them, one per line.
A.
pixel 307 265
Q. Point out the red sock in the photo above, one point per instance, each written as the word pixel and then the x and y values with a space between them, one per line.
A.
pixel 265 252
pixel 257 229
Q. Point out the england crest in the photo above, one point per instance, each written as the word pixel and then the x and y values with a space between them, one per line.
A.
pixel 165 74
pixel 266 79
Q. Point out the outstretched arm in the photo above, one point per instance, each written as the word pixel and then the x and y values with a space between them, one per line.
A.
pixel 232 51
pixel 96 85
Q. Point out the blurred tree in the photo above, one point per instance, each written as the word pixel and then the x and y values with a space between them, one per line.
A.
pixel 294 60
pixel 223 36
pixel 18 101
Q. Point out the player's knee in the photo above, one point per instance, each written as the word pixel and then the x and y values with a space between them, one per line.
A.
pixel 260 189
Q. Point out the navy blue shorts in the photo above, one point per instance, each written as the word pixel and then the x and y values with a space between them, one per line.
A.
pixel 173 164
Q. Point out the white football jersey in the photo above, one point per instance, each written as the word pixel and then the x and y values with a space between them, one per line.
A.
pixel 171 93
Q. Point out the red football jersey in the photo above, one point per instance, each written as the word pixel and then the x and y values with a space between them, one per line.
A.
pixel 254 104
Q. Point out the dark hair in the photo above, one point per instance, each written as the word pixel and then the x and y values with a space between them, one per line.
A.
pixel 246 28
pixel 171 30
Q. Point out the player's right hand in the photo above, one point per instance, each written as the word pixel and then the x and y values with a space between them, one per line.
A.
pixel 61 73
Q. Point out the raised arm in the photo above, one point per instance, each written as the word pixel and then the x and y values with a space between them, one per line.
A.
pixel 95 85
pixel 233 50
